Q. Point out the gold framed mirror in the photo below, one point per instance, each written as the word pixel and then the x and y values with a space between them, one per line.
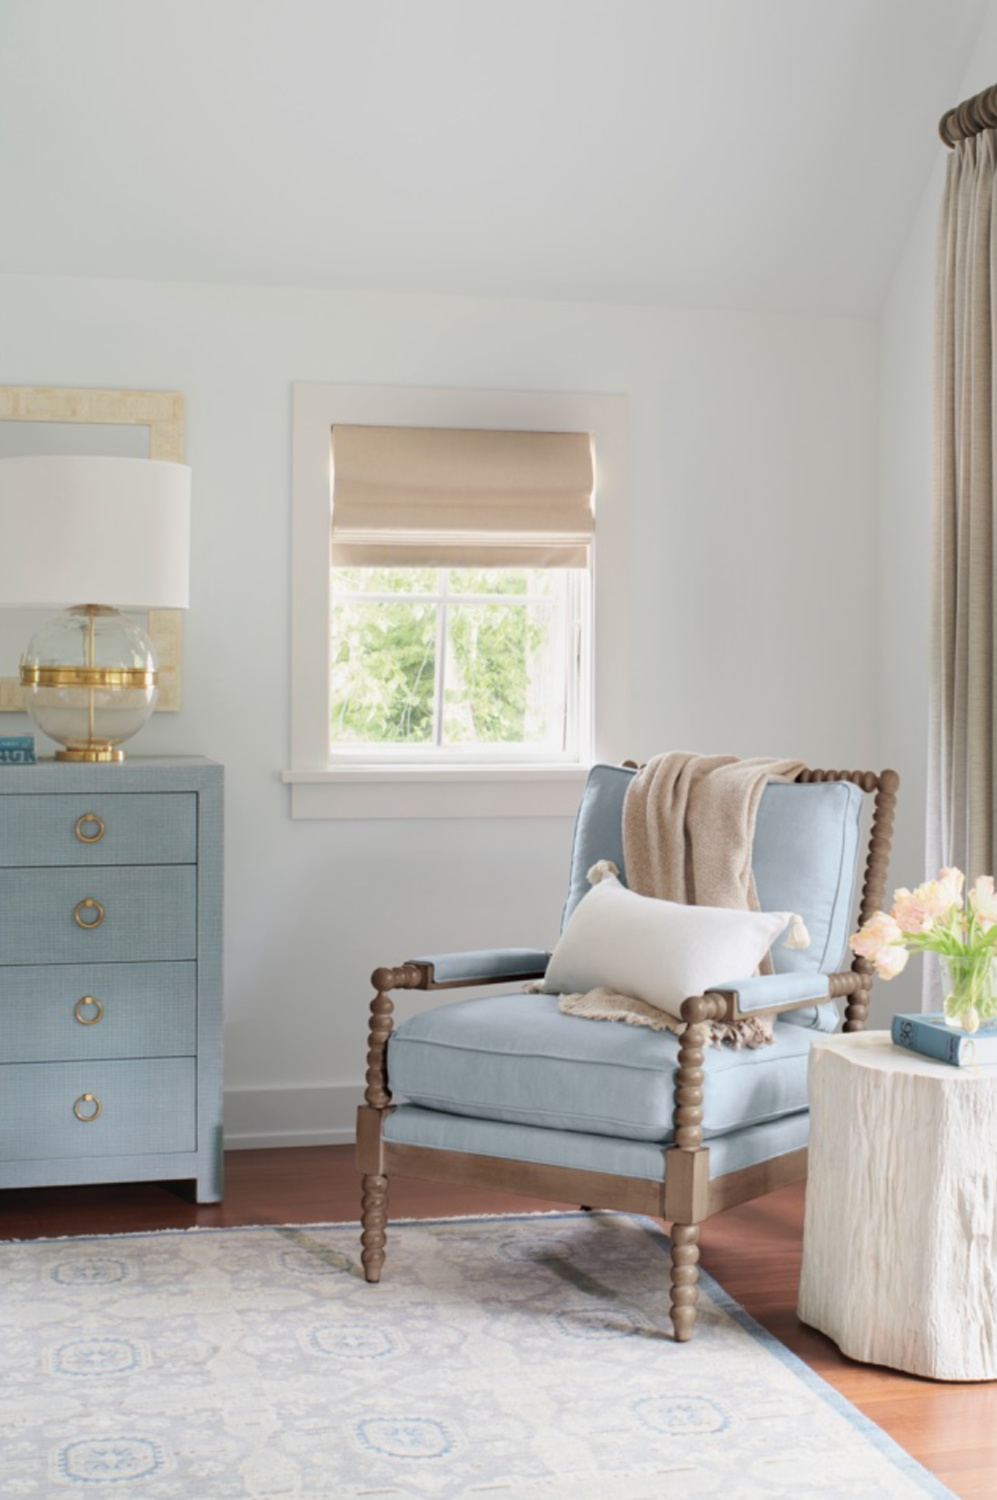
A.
pixel 162 414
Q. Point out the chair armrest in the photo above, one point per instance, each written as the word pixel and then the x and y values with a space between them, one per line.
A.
pixel 727 1002
pixel 772 992
pixel 442 971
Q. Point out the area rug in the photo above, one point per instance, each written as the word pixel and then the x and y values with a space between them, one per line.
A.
pixel 524 1358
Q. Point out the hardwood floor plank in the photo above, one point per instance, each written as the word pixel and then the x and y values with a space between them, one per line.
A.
pixel 754 1252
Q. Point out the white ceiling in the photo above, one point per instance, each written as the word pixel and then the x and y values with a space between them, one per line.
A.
pixel 757 154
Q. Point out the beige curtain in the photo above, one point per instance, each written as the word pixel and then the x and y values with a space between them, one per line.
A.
pixel 437 497
pixel 961 764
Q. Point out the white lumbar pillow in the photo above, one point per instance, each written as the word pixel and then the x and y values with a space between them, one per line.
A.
pixel 657 951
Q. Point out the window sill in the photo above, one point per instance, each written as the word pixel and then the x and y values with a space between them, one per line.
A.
pixel 436 791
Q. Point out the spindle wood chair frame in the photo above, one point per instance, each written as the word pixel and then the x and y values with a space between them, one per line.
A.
pixel 688 1195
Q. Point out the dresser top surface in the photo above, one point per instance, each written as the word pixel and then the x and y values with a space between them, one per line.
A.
pixel 137 773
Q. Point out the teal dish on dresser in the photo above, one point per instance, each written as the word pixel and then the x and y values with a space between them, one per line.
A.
pixel 111 973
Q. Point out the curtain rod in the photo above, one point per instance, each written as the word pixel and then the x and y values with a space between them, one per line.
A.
pixel 976 114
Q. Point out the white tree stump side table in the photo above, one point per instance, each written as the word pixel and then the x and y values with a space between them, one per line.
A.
pixel 900 1232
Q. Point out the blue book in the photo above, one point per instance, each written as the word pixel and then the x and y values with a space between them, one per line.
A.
pixel 17 742
pixel 17 757
pixel 929 1034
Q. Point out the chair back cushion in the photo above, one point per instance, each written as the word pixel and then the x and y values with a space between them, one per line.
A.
pixel 598 830
pixel 805 857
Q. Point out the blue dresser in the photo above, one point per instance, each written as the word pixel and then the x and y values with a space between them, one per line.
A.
pixel 111 973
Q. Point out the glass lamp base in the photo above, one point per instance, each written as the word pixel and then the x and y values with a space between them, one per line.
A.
pixel 91 682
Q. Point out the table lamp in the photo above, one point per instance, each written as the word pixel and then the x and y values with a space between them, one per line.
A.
pixel 98 535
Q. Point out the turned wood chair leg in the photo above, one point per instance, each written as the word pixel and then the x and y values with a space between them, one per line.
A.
pixel 373 1221
pixel 685 1275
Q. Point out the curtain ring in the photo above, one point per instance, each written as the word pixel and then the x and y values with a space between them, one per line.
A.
pixel 945 129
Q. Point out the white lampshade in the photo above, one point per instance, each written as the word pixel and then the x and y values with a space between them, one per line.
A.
pixel 94 530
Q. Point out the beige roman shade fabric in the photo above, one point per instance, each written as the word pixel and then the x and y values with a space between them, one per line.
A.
pixel 449 497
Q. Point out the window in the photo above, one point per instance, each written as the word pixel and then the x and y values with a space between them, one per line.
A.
pixel 444 660
pixel 452 636
pixel 458 664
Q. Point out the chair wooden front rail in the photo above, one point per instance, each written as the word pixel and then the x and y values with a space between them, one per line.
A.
pixel 687 1195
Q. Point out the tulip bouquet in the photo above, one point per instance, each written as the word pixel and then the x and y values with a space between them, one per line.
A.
pixel 964 932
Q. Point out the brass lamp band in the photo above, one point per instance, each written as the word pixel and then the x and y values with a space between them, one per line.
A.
pixel 95 677
pixel 92 753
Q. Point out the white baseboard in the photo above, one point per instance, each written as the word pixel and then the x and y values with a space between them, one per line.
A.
pixel 291 1117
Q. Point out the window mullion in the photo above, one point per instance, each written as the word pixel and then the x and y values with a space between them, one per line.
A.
pixel 571 614
pixel 441 650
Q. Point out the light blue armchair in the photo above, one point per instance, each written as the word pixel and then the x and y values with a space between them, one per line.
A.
pixel 507 1092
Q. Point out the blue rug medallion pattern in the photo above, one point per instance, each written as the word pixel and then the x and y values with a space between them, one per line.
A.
pixel 525 1359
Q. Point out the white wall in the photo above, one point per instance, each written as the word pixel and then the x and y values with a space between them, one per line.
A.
pixel 905 526
pixel 752 565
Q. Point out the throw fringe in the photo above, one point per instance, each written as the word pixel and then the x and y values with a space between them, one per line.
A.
pixel 606 1005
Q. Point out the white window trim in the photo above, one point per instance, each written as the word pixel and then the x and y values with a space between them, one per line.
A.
pixel 321 790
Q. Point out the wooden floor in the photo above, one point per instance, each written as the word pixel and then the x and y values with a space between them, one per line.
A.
pixel 753 1251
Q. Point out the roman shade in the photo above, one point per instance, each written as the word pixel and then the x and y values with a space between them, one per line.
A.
pixel 448 497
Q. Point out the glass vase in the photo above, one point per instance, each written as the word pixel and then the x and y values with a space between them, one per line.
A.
pixel 971 1001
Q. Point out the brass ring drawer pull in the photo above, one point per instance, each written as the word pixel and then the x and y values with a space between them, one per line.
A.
pixel 93 908
pixel 90 1004
pixel 85 1103
pixel 84 827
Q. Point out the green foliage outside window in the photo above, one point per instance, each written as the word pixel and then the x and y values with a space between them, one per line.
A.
pixel 384 656
pixel 493 648
pixel 383 673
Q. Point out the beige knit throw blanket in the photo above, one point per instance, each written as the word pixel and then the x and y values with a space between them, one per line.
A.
pixel 688 828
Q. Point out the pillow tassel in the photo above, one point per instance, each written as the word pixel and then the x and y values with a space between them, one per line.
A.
pixel 798 937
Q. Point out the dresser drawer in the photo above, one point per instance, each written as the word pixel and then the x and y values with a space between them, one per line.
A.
pixel 114 828
pixel 63 1012
pixel 110 915
pixel 139 1107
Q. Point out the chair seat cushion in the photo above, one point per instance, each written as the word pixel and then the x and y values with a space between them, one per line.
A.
pixel 517 1058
